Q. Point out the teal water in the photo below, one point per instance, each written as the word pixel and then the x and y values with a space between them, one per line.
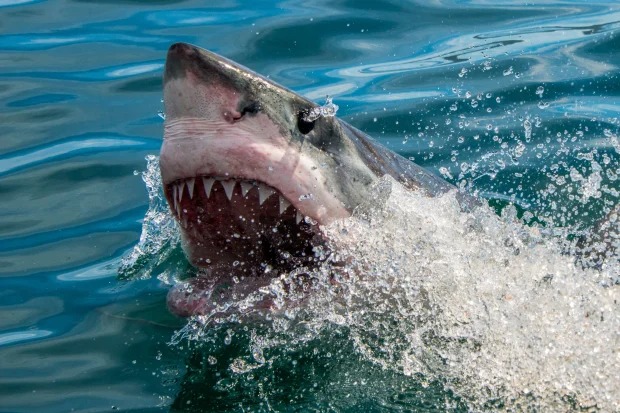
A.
pixel 517 103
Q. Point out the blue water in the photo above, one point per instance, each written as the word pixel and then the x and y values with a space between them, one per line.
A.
pixel 516 91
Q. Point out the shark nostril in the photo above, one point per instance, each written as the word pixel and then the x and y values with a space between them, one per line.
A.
pixel 231 116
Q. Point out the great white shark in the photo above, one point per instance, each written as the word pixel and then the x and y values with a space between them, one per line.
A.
pixel 250 176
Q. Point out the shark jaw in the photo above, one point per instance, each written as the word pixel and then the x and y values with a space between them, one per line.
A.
pixel 241 173
pixel 250 177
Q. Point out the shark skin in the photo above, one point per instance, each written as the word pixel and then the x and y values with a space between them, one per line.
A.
pixel 250 178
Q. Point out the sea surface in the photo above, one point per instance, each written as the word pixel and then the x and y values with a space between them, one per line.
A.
pixel 517 103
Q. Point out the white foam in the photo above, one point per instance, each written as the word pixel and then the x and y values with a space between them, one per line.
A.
pixel 486 304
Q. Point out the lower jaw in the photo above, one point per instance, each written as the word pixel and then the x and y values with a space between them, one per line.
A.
pixel 254 257
pixel 218 295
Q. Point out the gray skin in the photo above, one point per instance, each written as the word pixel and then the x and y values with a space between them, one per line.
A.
pixel 224 121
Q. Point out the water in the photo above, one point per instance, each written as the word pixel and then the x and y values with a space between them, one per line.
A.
pixel 517 104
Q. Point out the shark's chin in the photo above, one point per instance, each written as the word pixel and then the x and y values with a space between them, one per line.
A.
pixel 240 227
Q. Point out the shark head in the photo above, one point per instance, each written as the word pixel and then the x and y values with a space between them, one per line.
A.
pixel 251 174
pixel 247 175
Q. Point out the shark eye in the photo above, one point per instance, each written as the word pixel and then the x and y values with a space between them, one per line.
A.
pixel 303 125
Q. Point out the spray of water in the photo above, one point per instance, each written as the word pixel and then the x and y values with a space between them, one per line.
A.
pixel 490 306
pixel 159 232
pixel 494 310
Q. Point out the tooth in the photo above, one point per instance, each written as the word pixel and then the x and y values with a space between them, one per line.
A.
pixel 175 202
pixel 245 187
pixel 229 187
pixel 190 187
pixel 264 192
pixel 175 198
pixel 298 217
pixel 208 184
pixel 284 204
pixel 180 190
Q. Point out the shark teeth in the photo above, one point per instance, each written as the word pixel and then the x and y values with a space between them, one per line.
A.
pixel 245 187
pixel 284 204
pixel 264 192
pixel 207 183
pixel 175 198
pixel 190 187
pixel 180 189
pixel 229 187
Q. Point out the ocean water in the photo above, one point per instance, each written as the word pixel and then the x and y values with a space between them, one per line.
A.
pixel 515 103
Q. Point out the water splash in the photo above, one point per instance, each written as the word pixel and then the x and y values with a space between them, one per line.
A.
pixel 483 302
pixel 159 238
pixel 492 309
pixel 329 109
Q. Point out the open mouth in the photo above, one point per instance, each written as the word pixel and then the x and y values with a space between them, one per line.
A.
pixel 241 226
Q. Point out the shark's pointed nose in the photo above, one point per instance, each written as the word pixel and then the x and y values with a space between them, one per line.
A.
pixel 178 60
pixel 182 50
pixel 198 83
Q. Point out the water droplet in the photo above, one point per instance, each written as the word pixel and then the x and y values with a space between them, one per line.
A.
pixel 445 172
pixel 527 125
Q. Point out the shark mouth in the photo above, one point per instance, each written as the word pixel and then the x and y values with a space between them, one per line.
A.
pixel 240 226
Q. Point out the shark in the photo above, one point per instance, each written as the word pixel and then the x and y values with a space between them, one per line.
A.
pixel 251 171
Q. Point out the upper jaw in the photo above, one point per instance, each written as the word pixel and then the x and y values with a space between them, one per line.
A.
pixel 205 134
pixel 198 148
pixel 210 67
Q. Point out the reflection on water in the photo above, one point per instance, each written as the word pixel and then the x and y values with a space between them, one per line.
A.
pixel 515 103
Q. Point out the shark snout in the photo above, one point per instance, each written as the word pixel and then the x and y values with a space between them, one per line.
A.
pixel 179 60
pixel 197 85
